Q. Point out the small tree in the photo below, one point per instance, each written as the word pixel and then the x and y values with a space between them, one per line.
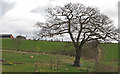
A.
pixel 81 23
pixel 17 43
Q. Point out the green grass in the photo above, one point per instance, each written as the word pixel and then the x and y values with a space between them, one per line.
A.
pixel 109 55
pixel 44 63
pixel 29 45
pixel 110 50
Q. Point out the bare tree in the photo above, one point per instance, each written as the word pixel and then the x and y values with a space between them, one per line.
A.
pixel 81 23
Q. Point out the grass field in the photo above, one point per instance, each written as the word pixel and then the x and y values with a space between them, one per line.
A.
pixel 110 50
pixel 44 63
pixel 109 53
pixel 30 45
pixel 109 56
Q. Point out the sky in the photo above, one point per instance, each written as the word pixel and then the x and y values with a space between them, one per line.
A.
pixel 20 16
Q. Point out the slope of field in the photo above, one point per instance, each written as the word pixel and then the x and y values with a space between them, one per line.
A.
pixel 110 50
pixel 30 45
pixel 109 53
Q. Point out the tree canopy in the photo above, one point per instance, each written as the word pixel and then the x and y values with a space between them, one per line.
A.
pixel 80 22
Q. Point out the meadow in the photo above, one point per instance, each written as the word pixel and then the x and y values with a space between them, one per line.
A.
pixel 109 56
pixel 65 62
pixel 31 45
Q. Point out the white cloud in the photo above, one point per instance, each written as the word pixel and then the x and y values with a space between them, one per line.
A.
pixel 20 19
pixel 5 7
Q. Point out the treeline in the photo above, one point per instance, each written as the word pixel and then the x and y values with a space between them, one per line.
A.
pixel 57 40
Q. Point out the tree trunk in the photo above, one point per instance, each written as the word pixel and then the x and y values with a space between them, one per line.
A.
pixel 18 47
pixel 77 57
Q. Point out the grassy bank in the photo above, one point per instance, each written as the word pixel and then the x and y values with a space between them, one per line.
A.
pixel 108 57
pixel 30 45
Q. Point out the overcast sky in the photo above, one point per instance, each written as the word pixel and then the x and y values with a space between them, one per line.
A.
pixel 20 16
